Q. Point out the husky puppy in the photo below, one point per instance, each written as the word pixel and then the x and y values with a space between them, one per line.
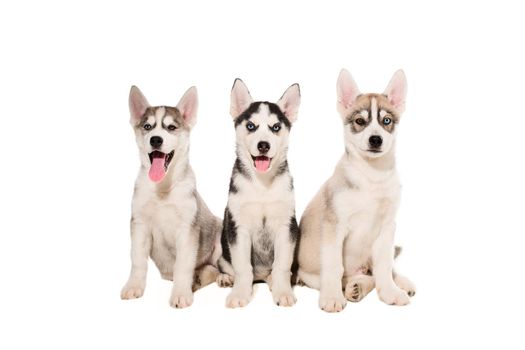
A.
pixel 170 222
pixel 260 230
pixel 347 230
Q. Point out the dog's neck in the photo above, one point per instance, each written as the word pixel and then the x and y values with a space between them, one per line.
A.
pixel 375 169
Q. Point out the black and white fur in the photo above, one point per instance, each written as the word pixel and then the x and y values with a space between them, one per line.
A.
pixel 170 222
pixel 259 228
pixel 347 230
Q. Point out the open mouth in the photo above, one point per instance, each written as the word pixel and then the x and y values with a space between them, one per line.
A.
pixel 159 165
pixel 261 163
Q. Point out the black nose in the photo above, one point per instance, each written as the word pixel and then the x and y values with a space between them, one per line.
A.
pixel 155 141
pixel 263 147
pixel 375 141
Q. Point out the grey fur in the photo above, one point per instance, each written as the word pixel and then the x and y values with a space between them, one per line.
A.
pixel 170 222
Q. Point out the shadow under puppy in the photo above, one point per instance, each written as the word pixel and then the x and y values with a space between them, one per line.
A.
pixel 259 228
pixel 170 222
pixel 347 230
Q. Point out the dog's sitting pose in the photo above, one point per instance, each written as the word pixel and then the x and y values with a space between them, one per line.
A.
pixel 347 230
pixel 260 230
pixel 170 222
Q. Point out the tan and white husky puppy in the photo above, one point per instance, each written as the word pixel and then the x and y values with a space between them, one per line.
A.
pixel 170 222
pixel 347 230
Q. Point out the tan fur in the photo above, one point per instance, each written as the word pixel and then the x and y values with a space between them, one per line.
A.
pixel 347 230
pixel 363 103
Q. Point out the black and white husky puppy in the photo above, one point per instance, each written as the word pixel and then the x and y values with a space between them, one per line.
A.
pixel 259 228
pixel 170 222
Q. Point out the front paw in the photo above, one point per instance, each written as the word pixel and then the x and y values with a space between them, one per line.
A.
pixel 238 299
pixel 132 290
pixel 181 299
pixel 332 303
pixel 284 298
pixel 224 280
pixel 393 296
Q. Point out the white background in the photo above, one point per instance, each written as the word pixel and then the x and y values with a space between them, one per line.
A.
pixel 69 161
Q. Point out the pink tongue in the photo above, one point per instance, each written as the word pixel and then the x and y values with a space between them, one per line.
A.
pixel 262 163
pixel 156 172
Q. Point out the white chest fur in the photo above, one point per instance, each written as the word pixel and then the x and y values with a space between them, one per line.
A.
pixel 166 212
pixel 256 203
pixel 361 209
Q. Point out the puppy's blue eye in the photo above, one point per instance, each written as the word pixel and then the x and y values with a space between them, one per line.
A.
pixel 172 127
pixel 147 126
pixel 276 127
pixel 250 126
pixel 387 121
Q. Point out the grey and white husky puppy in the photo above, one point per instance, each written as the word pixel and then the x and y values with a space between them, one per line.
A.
pixel 260 230
pixel 170 222
pixel 347 230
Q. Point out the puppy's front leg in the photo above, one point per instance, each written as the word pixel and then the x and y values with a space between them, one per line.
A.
pixel 281 269
pixel 331 294
pixel 383 261
pixel 184 269
pixel 240 251
pixel 140 248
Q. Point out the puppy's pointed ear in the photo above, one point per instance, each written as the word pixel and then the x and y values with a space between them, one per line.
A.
pixel 187 106
pixel 347 91
pixel 240 98
pixel 137 105
pixel 290 101
pixel 396 91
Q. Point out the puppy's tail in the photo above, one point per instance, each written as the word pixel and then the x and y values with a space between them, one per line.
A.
pixel 203 276
pixel 397 251
pixel 296 232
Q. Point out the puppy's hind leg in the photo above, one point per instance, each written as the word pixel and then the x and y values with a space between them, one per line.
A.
pixel 204 276
pixel 309 279
pixel 225 277
pixel 357 287
pixel 405 284
pixel 400 280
